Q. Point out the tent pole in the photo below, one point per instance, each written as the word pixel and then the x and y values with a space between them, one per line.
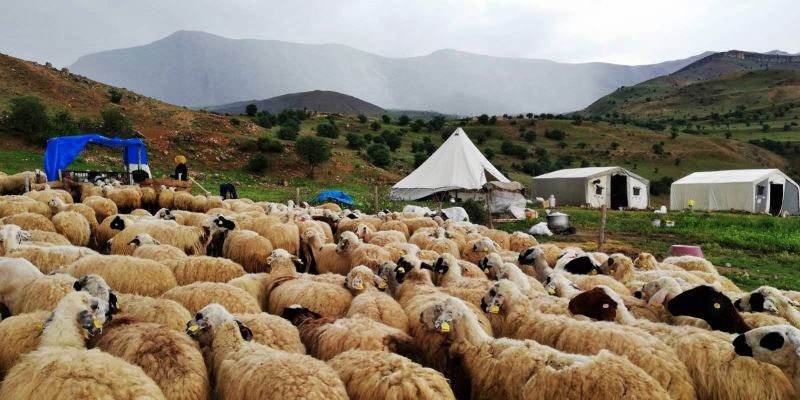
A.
pixel 489 209
pixel 601 235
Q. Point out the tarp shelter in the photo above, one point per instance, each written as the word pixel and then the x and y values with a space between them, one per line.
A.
pixel 751 190
pixel 62 151
pixel 457 165
pixel 336 195
pixel 594 186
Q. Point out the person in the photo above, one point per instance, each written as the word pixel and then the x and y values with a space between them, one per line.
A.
pixel 181 172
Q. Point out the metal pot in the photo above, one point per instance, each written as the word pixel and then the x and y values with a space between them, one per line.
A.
pixel 558 221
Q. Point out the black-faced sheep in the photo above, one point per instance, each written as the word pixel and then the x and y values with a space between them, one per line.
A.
pixel 777 345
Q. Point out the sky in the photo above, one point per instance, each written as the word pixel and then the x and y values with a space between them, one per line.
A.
pixel 618 31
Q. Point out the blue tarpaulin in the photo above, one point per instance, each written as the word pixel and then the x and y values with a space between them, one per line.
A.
pixel 62 151
pixel 337 195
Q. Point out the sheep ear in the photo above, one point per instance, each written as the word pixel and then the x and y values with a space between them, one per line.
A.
pixel 77 286
pixel 247 334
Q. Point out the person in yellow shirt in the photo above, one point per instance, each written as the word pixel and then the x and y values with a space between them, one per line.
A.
pixel 181 172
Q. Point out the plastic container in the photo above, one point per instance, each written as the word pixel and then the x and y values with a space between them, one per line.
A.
pixel 552 200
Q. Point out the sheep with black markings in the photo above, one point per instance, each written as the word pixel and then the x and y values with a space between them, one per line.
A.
pixel 369 301
pixel 148 247
pixel 776 345
pixel 766 299
pixel 273 331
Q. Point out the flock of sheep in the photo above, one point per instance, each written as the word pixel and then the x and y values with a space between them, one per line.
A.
pixel 135 293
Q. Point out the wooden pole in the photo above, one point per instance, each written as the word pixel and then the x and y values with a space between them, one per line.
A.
pixel 375 200
pixel 489 209
pixel 297 197
pixel 601 236
pixel 200 186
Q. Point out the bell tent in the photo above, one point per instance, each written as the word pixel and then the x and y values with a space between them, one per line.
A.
pixel 614 187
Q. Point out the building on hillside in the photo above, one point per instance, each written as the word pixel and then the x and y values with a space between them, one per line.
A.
pixel 752 190
pixel 614 187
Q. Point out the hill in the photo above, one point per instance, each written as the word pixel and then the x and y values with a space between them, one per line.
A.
pixel 316 100
pixel 197 69
pixel 717 83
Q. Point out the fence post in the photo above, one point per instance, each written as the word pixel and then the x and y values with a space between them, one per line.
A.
pixel 297 196
pixel 601 235
pixel 375 200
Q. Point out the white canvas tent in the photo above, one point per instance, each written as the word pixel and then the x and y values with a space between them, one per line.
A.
pixel 457 165
pixel 594 186
pixel 751 190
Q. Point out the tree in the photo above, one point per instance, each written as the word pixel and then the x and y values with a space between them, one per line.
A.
pixel 313 150
pixel 265 119
pixel 489 153
pixel 386 119
pixel 28 115
pixel 328 130
pixel 403 120
pixel 419 158
pixel 355 141
pixel 251 110
pixel 493 119
pixel 415 127
pixel 555 134
pixel 362 118
pixel 116 95
pixel 393 140
pixel 289 129
pixel 61 124
pixel 375 125
pixel 115 122
pixel 436 123
pixel 658 148
pixel 379 155
pixel 529 115
pixel 530 136
pixel 258 163
pixel 483 119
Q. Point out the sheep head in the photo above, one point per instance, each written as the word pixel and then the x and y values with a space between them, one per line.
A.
pixel 439 317
pixel 659 291
pixel 557 284
pixel 442 265
pixel 359 279
pixel 97 287
pixel 165 214
pixel 598 303
pixel 76 307
pixel 645 262
pixel 778 345
pixel 210 318
pixel 764 299
pixel 485 245
pixel 142 239
pixel 362 230
pixel 347 242
pixel 282 258
pixel 297 314
pixel 529 255
pixel 490 263
pixel 13 234
pixel 498 295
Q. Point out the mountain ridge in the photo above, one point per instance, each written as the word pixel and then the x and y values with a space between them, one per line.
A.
pixel 316 100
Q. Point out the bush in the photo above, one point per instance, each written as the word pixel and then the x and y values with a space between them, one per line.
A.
pixel 288 131
pixel 379 155
pixel 362 118
pixel 529 136
pixel 510 148
pixel 403 120
pixel 115 122
pixel 355 141
pixel 313 150
pixel 436 123
pixel 483 119
pixel 375 125
pixel 265 119
pixel 661 186
pixel 269 145
pixel 555 134
pixel 658 148
pixel 476 211
pixel 27 115
pixel 328 130
pixel 61 124
pixel 614 145
pixel 251 110
pixel 419 158
pixel 481 139
pixel 115 95
pixel 393 140
pixel 489 153
pixel 386 119
pixel 235 121
pixel 258 163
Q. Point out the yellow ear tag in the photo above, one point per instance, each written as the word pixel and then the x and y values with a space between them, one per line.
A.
pixel 401 270
pixel 486 271
pixel 717 306
pixel 40 326
pixel 605 305
pixel 494 309
pixel 360 286
pixel 594 272
pixel 551 291
pixel 445 327
pixel 485 249
pixel 193 328
pixel 382 284
pixel 97 323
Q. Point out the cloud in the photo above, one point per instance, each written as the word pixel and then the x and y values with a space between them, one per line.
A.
pixel 622 31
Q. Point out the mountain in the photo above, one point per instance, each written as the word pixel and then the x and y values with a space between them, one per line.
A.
pixel 717 83
pixel 196 69
pixel 317 100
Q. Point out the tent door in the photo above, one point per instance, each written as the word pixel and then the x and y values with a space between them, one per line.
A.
pixel 619 191
pixel 775 198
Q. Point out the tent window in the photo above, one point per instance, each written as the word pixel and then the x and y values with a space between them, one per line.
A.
pixel 598 190
pixel 637 191
pixel 760 190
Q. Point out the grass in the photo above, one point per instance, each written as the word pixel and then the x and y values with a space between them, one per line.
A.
pixel 752 250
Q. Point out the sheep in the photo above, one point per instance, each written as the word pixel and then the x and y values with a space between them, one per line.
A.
pixel 379 238
pixel 281 235
pixel 247 248
pixel 171 359
pixel 273 331
pixel 127 274
pixel 103 207
pixel 46 258
pixel 166 197
pixel 326 337
pixel 44 196
pixel 692 263
pixel 44 238
pixel 15 275
pixel 563 333
pixel 479 248
pixel 203 269
pixel 520 241
pixel 57 205
pixel 439 241
pixel 15 184
pixel 200 294
pixel 140 212
pixel 187 238
pixel 20 334
pixel 254 284
pixel 30 221
pixel 776 345
pixel 246 370
pixel 453 282
pixel 149 198
pixel 369 302
pixel 127 198
pixel 708 304
pixel 362 253
pixel 285 287
pixel 395 226
pixel 770 300
pixel 325 256
pixel 348 224
pixel 21 205
pixel 708 355
pixel 379 375
pixel 61 367
pixel 493 264
pixel 147 247
pixel 168 313
pixel 413 224
pixel 74 227
pixel 539 372
pixel 44 293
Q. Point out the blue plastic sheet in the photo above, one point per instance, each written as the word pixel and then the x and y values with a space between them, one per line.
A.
pixel 62 151
pixel 337 195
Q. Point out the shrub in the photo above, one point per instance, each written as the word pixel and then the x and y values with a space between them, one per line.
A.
pixel 379 155
pixel 269 145
pixel 476 211
pixel 378 139
pixel 614 145
pixel 481 139
pixel 436 123
pixel 375 125
pixel 235 121
pixel 386 119
pixel 313 150
pixel 362 118
pixel 658 148
pixel 562 145
pixel 529 136
pixel 328 130
pixel 419 158
pixel 289 130
pixel 415 126
pixel 251 110
pixel 489 153
pixel 258 163
pixel 61 124
pixel 403 120
pixel 493 120
pixel 355 141
pixel 540 152
pixel 27 115
pixel 483 119
pixel 661 186
pixel 115 95
pixel 555 134
pixel 265 119
pixel 115 122
pixel 393 140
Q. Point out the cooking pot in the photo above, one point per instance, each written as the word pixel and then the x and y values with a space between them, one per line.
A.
pixel 557 221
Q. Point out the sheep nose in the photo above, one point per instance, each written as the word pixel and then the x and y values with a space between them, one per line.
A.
pixel 638 294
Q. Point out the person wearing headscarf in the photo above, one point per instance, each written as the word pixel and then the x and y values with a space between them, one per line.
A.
pixel 181 172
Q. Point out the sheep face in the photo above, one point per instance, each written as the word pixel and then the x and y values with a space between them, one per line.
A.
pixel 763 299
pixel 441 266
pixel 14 234
pixel 485 245
pixel 85 308
pixel 438 317
pixel 556 283
pixel 614 262
pixel 358 279
pixel 492 302
pixel 708 304
pixel 402 268
pixel 281 255
pixel 385 275
pixel 142 239
pixel 117 224
pixel 530 255
pixel 97 287
pixel 778 345
pixel 202 327
pixel 595 303
pixel 362 230
pixel 645 261
pixel 165 214
pixel 490 263
pixel 347 242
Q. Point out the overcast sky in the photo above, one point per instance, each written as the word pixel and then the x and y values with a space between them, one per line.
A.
pixel 620 31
